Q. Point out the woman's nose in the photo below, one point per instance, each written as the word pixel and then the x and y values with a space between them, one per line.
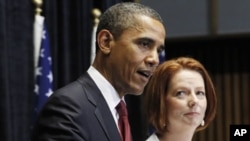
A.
pixel 193 100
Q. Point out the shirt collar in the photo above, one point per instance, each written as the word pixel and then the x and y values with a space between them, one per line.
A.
pixel 108 91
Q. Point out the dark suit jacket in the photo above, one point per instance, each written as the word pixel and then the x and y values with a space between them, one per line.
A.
pixel 76 112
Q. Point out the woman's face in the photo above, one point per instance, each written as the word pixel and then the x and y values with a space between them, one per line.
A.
pixel 186 100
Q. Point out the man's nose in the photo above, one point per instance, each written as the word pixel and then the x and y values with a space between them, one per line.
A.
pixel 153 58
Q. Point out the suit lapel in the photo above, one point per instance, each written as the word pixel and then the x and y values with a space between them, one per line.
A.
pixel 106 119
pixel 102 111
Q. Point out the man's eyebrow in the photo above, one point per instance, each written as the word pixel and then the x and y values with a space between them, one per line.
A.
pixel 146 39
pixel 151 41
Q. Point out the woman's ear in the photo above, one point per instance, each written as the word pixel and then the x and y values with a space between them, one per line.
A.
pixel 104 39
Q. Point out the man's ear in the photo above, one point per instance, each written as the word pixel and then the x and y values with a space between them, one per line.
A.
pixel 104 39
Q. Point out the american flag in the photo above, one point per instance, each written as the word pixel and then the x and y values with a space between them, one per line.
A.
pixel 43 74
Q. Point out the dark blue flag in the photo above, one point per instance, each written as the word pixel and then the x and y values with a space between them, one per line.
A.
pixel 43 75
pixel 162 56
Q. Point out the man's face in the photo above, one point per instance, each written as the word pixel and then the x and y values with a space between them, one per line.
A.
pixel 134 55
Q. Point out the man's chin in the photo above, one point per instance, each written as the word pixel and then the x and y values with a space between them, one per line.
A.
pixel 136 93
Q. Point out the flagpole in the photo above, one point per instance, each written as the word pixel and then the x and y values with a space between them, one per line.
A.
pixel 38 4
pixel 38 27
pixel 96 14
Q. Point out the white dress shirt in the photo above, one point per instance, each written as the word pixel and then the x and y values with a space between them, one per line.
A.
pixel 153 137
pixel 108 91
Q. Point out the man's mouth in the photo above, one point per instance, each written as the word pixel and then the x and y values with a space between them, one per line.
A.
pixel 146 74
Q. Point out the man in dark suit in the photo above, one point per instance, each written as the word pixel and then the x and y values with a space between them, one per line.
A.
pixel 129 39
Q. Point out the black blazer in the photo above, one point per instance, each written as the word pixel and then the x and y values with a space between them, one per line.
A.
pixel 76 112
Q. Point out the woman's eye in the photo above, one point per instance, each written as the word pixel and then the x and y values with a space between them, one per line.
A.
pixel 180 94
pixel 200 93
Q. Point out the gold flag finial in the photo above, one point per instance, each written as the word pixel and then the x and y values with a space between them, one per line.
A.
pixel 38 4
pixel 96 13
